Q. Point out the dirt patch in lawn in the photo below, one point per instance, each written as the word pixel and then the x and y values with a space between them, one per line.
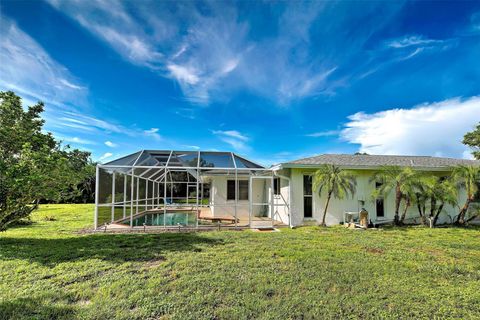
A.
pixel 374 250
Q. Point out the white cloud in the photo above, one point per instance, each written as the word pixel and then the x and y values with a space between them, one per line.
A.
pixel 398 50
pixel 237 140
pixel 73 122
pixel 153 132
pixel 433 129
pixel 110 144
pixel 70 85
pixel 111 22
pixel 303 85
pixel 230 65
pixel 236 144
pixel 212 56
pixel 411 46
pixel 188 113
pixel 192 147
pixel 77 118
pixel 232 134
pixel 76 140
pixel 409 41
pixel 105 156
pixel 328 133
pixel 412 54
pixel 28 70
pixel 183 74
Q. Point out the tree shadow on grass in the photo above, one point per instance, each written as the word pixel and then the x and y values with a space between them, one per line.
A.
pixel 27 308
pixel 115 248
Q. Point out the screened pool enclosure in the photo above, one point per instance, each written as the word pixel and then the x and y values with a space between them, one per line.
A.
pixel 188 189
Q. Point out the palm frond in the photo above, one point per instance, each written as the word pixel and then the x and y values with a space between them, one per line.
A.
pixel 332 179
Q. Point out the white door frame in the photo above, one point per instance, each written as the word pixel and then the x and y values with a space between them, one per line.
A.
pixel 269 202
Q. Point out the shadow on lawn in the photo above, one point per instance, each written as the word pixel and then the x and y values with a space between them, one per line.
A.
pixel 116 248
pixel 33 309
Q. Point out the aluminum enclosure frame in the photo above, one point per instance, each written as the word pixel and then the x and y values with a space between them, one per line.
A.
pixel 158 177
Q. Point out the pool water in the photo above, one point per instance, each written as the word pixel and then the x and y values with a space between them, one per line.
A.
pixel 171 219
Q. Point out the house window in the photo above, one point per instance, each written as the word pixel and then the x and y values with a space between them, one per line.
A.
pixel 307 197
pixel 276 186
pixel 380 208
pixel 379 202
pixel 242 189
pixel 230 189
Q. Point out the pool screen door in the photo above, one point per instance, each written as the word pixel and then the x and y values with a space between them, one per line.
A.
pixel 260 198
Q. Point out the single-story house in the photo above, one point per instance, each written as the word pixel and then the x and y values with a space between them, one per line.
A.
pixel 171 188
pixel 307 205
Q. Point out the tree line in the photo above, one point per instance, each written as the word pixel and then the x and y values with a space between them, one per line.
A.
pixel 34 166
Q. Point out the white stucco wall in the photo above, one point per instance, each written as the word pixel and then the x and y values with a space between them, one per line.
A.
pixel 261 193
pixel 220 206
pixel 337 207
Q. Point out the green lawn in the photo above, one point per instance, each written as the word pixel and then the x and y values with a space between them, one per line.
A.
pixel 49 271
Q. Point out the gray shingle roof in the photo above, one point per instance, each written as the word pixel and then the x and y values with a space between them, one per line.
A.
pixel 368 161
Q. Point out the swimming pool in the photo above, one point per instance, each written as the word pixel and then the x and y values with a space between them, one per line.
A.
pixel 184 218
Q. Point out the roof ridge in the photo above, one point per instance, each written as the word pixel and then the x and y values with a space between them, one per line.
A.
pixel 367 160
pixel 382 155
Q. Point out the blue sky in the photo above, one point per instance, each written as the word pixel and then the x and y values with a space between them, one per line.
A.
pixel 270 80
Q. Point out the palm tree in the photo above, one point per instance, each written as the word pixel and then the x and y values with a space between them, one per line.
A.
pixel 423 193
pixel 466 177
pixel 443 192
pixel 335 182
pixel 400 180
pixel 409 192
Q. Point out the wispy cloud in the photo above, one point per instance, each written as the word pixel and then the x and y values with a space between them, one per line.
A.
pixel 90 121
pixel 328 133
pixel 412 54
pixel 234 138
pixel 81 123
pixel 34 75
pixel 192 147
pixel 183 74
pixel 110 144
pixel 428 129
pixel 28 69
pixel 399 50
pixel 411 46
pixel 105 156
pixel 75 140
pixel 188 113
pixel 153 132
pixel 212 56
pixel 111 22
pixel 410 41
pixel 231 134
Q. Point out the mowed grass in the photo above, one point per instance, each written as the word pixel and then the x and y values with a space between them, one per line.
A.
pixel 49 271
